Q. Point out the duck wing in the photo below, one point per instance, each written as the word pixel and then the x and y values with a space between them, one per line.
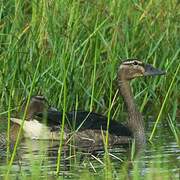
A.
pixel 83 120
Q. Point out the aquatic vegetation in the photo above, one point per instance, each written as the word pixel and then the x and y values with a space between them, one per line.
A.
pixel 69 51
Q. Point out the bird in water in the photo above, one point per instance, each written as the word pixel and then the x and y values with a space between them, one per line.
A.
pixel 88 129
pixel 31 127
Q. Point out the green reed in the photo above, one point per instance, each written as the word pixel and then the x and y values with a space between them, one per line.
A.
pixel 69 51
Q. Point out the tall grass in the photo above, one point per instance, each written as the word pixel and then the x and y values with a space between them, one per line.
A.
pixel 69 51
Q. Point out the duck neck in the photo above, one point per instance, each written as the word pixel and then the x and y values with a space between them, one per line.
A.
pixel 14 132
pixel 135 120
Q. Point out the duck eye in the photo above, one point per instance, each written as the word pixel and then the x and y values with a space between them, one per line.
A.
pixel 135 63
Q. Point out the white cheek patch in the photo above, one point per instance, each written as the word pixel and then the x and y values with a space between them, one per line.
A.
pixel 33 129
pixel 122 66
pixel 137 75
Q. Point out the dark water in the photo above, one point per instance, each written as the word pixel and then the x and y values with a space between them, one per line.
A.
pixel 162 157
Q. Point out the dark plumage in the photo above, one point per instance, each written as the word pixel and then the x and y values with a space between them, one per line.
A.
pixel 84 120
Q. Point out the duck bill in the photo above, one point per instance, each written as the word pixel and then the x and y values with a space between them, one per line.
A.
pixel 151 71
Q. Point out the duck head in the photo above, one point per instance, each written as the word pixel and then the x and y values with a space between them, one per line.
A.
pixel 133 68
pixel 37 104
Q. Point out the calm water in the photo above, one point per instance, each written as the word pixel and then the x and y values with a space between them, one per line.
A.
pixel 163 155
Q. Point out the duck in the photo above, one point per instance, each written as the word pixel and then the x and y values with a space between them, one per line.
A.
pixel 32 128
pixel 90 128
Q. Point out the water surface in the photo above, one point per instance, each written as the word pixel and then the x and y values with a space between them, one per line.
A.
pixel 41 157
